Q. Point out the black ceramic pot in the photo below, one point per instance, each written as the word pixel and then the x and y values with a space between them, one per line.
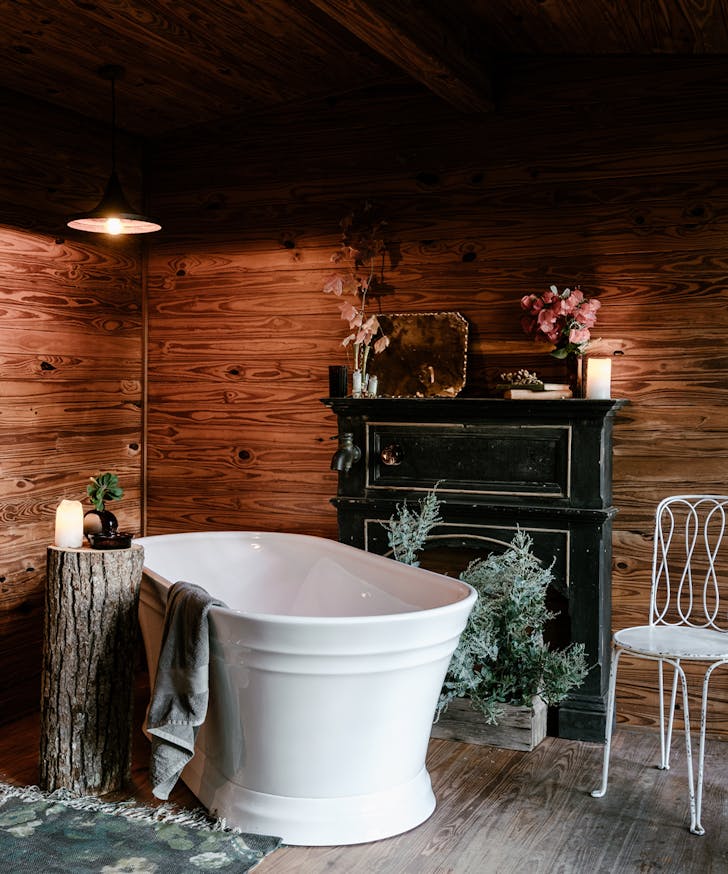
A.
pixel 100 522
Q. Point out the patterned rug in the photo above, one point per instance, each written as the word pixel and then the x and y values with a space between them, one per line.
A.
pixel 58 833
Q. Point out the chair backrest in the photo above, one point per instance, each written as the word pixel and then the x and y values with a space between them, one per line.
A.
pixel 690 561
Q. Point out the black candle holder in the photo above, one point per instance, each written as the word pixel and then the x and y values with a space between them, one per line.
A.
pixel 338 380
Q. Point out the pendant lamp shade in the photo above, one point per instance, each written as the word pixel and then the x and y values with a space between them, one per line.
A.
pixel 113 215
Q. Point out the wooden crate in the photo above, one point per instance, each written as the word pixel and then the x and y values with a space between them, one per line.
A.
pixel 520 728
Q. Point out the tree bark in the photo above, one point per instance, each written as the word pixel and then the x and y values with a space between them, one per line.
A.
pixel 89 650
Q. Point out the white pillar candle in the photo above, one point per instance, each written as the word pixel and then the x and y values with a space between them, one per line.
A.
pixel 356 383
pixel 598 378
pixel 372 386
pixel 69 524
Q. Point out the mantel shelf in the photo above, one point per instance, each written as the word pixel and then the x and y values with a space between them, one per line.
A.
pixel 471 408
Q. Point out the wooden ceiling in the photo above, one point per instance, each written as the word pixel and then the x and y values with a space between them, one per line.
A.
pixel 192 62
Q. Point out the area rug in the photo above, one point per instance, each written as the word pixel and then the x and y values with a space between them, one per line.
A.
pixel 59 832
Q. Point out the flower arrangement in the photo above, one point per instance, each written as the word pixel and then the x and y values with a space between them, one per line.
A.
pixel 564 318
pixel 362 242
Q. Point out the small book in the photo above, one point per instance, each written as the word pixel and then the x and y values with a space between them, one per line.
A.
pixel 545 395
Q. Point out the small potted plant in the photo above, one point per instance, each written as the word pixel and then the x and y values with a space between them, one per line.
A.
pixel 503 671
pixel 503 664
pixel 101 525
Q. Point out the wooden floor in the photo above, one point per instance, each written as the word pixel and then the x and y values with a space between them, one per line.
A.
pixel 505 812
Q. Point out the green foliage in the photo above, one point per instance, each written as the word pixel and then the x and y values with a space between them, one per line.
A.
pixel 102 488
pixel 502 657
pixel 407 530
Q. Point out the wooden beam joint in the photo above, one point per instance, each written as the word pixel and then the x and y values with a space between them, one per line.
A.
pixel 423 46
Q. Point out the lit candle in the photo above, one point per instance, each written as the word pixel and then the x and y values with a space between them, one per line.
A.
pixel 598 378
pixel 69 524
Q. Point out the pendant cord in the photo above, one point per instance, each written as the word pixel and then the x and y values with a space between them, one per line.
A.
pixel 113 124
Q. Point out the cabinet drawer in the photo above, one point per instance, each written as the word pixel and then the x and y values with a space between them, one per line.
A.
pixel 507 460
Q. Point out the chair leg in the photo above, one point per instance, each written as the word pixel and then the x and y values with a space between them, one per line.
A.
pixel 699 830
pixel 598 793
pixel 695 826
pixel 664 765
pixel 666 740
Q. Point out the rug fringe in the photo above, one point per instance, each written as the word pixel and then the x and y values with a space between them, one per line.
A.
pixel 165 813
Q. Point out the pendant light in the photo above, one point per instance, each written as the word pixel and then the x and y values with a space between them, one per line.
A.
pixel 114 215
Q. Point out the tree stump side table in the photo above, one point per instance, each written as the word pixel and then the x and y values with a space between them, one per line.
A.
pixel 89 649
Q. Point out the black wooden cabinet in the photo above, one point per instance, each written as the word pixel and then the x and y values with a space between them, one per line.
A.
pixel 545 466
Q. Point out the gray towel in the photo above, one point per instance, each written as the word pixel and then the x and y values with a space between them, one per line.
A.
pixel 178 703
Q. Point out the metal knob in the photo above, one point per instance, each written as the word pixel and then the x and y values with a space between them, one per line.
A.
pixel 391 455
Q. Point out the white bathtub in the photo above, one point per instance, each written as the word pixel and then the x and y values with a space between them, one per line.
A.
pixel 324 677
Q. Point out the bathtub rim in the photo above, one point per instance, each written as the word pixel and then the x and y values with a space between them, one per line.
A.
pixel 469 593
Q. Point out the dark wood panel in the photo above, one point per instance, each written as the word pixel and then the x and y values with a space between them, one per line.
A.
pixel 476 290
pixel 71 361
pixel 565 101
pixel 273 471
pixel 298 511
pixel 21 632
pixel 62 368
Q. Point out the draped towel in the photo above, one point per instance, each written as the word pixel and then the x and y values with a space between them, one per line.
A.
pixel 178 702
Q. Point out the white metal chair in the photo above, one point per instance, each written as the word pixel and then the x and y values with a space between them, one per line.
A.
pixel 685 621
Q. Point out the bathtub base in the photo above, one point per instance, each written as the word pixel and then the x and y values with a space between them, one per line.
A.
pixel 313 822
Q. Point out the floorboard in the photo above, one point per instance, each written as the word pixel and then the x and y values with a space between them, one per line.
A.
pixel 505 812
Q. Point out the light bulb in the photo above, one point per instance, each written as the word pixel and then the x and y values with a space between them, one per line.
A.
pixel 113 226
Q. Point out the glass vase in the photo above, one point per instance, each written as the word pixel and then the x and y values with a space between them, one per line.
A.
pixel 356 384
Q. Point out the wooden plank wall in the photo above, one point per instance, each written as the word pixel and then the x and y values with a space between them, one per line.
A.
pixel 70 360
pixel 609 173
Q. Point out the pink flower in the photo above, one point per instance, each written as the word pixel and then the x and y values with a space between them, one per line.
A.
pixel 563 318
pixel 588 313
pixel 546 320
pixel 350 314
pixel 532 303
pixel 579 335
pixel 335 284
pixel 576 296
pixel 381 344
pixel 367 331
pixel 566 306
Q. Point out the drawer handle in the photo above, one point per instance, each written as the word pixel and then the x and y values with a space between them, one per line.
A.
pixel 391 455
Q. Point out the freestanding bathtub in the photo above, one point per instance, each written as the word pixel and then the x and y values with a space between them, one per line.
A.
pixel 324 677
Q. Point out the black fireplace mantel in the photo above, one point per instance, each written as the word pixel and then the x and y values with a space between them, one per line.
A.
pixel 544 466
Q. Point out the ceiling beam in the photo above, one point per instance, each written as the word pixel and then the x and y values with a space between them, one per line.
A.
pixel 408 35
